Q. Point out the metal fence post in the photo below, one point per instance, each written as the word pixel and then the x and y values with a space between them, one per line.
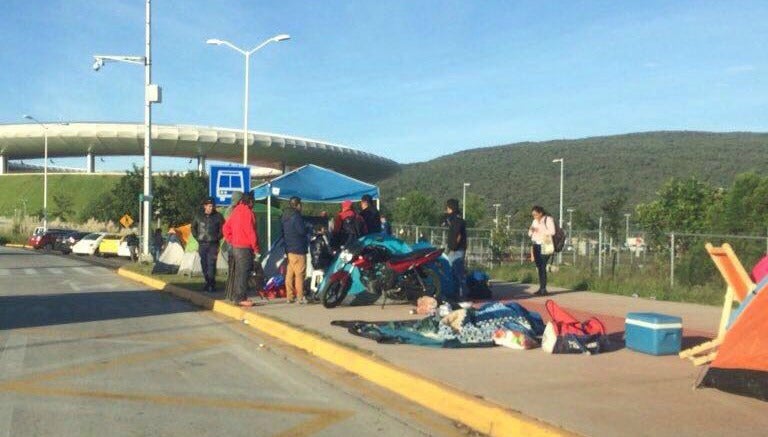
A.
pixel 522 248
pixel 600 249
pixel 672 259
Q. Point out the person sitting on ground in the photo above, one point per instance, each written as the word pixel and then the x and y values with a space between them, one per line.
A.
pixel 295 237
pixel 320 248
pixel 240 232
pixel 348 225
pixel 370 215
pixel 206 228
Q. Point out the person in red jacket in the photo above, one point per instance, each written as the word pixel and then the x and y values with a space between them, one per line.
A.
pixel 348 226
pixel 241 234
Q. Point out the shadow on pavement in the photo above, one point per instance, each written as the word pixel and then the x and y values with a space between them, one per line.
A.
pixel 57 309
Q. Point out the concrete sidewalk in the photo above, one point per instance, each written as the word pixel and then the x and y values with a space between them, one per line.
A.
pixel 615 393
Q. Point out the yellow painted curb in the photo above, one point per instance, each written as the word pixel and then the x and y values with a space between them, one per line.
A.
pixel 481 415
pixel 20 246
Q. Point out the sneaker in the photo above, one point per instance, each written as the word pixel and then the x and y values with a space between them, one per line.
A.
pixel 541 293
pixel 303 301
pixel 291 300
pixel 245 303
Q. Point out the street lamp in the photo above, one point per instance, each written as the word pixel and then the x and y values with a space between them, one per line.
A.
pixel 627 216
pixel 247 54
pixel 509 222
pixel 496 220
pixel 45 169
pixel 560 217
pixel 570 233
pixel 464 201
pixel 151 95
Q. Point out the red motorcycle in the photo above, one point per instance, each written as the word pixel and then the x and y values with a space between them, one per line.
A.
pixel 395 276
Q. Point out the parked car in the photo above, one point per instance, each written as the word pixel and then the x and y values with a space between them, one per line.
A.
pixel 65 241
pixel 88 245
pixel 110 244
pixel 41 239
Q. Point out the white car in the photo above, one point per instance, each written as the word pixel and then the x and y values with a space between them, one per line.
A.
pixel 89 244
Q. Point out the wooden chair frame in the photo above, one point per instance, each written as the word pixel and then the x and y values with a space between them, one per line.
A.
pixel 738 283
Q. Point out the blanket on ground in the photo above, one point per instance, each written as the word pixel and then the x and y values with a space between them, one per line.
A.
pixel 472 327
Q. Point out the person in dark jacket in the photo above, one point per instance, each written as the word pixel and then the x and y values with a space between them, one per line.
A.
pixel 320 248
pixel 370 215
pixel 456 244
pixel 296 243
pixel 132 241
pixel 206 228
pixel 348 226
pixel 241 234
pixel 157 244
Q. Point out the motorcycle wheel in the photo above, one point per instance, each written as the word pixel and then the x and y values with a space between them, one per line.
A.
pixel 334 293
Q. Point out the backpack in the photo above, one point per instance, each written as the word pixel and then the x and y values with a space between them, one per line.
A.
pixel 558 240
pixel 352 227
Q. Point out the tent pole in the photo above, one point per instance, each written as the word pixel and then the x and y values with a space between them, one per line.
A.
pixel 378 204
pixel 269 217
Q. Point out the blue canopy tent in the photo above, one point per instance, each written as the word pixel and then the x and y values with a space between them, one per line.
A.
pixel 313 184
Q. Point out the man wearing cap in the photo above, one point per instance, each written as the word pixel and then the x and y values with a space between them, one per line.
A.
pixel 370 215
pixel 207 230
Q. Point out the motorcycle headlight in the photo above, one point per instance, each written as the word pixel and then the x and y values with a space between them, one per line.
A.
pixel 345 256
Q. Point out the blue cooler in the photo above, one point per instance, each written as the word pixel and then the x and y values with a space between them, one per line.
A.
pixel 653 333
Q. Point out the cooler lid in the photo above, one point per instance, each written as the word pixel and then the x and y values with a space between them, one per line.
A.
pixel 654 318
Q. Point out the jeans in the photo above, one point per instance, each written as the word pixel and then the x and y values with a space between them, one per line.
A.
pixel 294 275
pixel 456 259
pixel 209 252
pixel 541 265
pixel 243 258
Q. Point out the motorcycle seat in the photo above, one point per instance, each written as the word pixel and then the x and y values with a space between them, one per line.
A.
pixel 416 254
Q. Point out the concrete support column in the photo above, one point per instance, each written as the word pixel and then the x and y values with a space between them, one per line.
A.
pixel 201 164
pixel 284 167
pixel 90 163
pixel 3 164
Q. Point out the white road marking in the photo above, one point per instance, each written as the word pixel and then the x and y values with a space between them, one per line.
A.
pixel 5 272
pixel 30 271
pixel 84 271
pixel 55 271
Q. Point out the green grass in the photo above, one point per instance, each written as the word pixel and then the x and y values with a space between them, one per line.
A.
pixel 15 189
pixel 644 282
pixel 194 283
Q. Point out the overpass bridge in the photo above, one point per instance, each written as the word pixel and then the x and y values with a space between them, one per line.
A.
pixel 90 140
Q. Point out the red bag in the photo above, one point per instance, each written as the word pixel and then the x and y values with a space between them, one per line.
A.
pixel 565 323
pixel 564 334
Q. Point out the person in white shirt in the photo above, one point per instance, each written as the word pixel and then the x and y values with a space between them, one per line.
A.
pixel 541 231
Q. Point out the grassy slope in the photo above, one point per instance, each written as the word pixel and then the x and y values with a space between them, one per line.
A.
pixel 82 188
pixel 520 175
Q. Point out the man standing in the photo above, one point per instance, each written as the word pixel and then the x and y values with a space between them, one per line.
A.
pixel 240 232
pixel 370 215
pixel 456 244
pixel 206 228
pixel 348 226
pixel 295 236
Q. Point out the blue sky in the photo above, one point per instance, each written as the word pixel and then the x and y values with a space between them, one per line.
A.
pixel 410 80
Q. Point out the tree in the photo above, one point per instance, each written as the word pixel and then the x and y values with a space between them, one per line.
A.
pixel 475 210
pixel 416 208
pixel 681 205
pixel 63 206
pixel 613 214
pixel 178 197
pixel 744 206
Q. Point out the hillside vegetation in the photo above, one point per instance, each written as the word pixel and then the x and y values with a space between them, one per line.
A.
pixel 596 170
pixel 80 189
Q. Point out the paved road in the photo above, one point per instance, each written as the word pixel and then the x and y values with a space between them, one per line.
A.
pixel 86 353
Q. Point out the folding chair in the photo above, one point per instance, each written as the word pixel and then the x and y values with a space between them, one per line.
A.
pixel 739 284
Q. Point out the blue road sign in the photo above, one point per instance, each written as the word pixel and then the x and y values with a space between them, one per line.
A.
pixel 225 180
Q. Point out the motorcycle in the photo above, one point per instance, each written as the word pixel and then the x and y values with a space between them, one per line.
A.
pixel 395 276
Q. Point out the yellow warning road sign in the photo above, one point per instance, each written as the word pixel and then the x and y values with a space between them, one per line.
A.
pixel 126 221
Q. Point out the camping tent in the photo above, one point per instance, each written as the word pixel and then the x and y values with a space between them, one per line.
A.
pixel 741 365
pixel 312 184
pixel 170 259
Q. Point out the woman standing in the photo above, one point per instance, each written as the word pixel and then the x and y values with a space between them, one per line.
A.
pixel 541 231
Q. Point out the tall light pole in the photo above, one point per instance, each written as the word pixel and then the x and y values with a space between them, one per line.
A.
pixel 509 222
pixel 627 216
pixel 151 95
pixel 570 233
pixel 560 217
pixel 496 220
pixel 247 54
pixel 45 171
pixel 464 201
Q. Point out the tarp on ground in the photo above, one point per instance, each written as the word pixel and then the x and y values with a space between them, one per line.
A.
pixel 741 365
pixel 169 260
pixel 315 184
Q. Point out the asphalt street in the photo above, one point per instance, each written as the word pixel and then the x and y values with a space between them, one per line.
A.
pixel 84 352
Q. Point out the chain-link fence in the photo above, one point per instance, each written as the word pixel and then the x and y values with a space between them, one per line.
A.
pixel 479 241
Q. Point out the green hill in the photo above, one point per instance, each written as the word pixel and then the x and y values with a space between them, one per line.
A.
pixel 15 189
pixel 596 169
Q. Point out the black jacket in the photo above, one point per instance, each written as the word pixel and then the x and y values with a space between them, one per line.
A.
pixel 457 232
pixel 294 232
pixel 372 219
pixel 207 228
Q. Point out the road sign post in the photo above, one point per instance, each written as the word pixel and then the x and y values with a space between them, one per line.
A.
pixel 225 180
